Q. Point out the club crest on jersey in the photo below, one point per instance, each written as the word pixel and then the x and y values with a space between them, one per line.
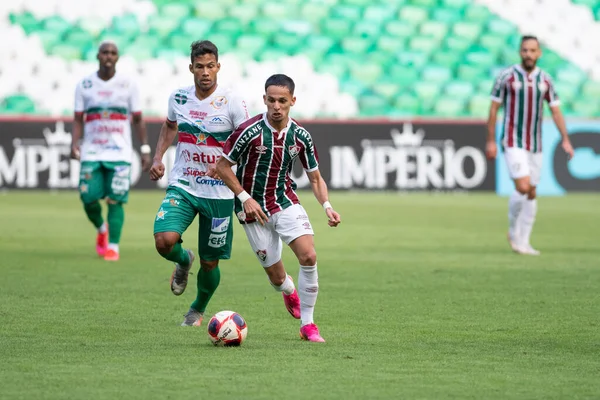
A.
pixel 261 149
pixel 294 150
pixel 262 255
pixel 180 98
pixel 87 84
pixel 201 138
pixel 105 114
pixel 516 85
pixel 542 86
pixel 218 102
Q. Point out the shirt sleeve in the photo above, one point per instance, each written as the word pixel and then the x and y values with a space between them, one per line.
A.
pixel 237 144
pixel 135 103
pixel 499 89
pixel 551 96
pixel 79 102
pixel 308 153
pixel 239 111
pixel 171 114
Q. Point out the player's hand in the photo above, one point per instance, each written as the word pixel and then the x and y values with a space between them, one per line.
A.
pixel 253 211
pixel 334 217
pixel 146 162
pixel 568 148
pixel 491 149
pixel 212 171
pixel 75 152
pixel 157 170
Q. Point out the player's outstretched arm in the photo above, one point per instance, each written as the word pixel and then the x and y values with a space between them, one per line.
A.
pixel 168 131
pixel 76 134
pixel 490 147
pixel 319 188
pixel 139 126
pixel 251 206
pixel 559 120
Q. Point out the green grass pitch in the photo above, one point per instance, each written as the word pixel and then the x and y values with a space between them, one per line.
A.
pixel 420 298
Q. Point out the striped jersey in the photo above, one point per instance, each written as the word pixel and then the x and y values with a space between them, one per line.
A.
pixel 203 127
pixel 107 106
pixel 265 158
pixel 523 96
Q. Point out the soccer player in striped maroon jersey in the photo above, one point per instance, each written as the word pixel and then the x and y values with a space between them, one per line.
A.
pixel 522 89
pixel 264 149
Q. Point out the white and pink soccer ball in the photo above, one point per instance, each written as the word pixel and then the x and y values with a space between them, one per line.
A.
pixel 227 328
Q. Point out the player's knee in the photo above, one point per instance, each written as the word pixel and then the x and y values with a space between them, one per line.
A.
pixel 308 258
pixel 209 265
pixel 163 243
pixel 523 187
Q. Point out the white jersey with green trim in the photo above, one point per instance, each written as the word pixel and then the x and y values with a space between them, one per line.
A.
pixel 107 107
pixel 203 126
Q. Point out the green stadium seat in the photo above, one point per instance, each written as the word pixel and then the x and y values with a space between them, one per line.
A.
pixel 319 44
pixel 589 89
pixel 79 38
pixel 423 44
pixel 175 10
pixel 387 88
pixel 56 24
pixel 314 12
pixel 477 13
pixel 126 24
pixel 27 21
pixel 353 87
pixel 485 85
pixel 162 26
pixel 18 104
pixel 180 41
pixel 472 73
pixel 479 106
pixel 211 10
pixel 288 43
pixel 568 91
pixel 297 27
pixel 251 44
pixel 415 59
pixel 501 27
pixel 446 15
pixel 413 15
pixel 389 44
pixel 224 42
pixel 459 90
pixel 457 44
pixel 572 75
pixel 407 104
pixel 195 28
pixel 400 29
pixel 347 12
pixel 169 53
pixel 356 45
pixel 372 105
pixel 426 91
pixel 379 14
pixel 403 75
pixel 366 29
pixel 483 59
pixel 91 25
pixel 49 38
pixel 585 108
pixel 446 58
pixel 450 108
pixel 228 26
pixel 467 30
pixel 368 73
pixel 434 29
pixel 277 11
pixel 456 3
pixel 436 74
pixel 244 12
pixel 425 3
pixel 67 51
pixel 493 43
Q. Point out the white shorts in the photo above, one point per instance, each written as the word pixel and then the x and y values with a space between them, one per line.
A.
pixel 288 225
pixel 521 163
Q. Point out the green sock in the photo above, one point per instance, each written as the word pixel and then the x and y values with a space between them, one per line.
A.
pixel 178 255
pixel 94 213
pixel 116 217
pixel 208 281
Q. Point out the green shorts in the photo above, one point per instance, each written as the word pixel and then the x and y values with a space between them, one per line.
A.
pixel 215 233
pixel 100 179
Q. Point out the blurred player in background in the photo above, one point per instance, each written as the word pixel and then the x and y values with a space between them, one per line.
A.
pixel 265 148
pixel 522 89
pixel 104 103
pixel 202 116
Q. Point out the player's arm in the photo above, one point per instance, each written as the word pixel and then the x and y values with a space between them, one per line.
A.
pixel 251 206
pixel 77 133
pixel 319 188
pixel 553 101
pixel 497 95
pixel 168 131
pixel 139 126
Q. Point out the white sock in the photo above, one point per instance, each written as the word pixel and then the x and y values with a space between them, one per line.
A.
pixel 527 219
pixel 308 289
pixel 515 207
pixel 113 246
pixel 103 228
pixel 286 287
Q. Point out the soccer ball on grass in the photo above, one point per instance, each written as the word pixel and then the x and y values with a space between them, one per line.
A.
pixel 227 328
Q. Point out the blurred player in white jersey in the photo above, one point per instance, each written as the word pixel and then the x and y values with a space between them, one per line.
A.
pixel 522 89
pixel 105 101
pixel 202 116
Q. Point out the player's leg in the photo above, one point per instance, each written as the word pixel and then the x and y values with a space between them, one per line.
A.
pixel 518 169
pixel 91 190
pixel 267 247
pixel 215 238
pixel 293 226
pixel 116 187
pixel 529 212
pixel 176 212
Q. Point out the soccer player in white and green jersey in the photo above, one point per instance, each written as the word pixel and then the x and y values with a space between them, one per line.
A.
pixel 522 89
pixel 264 149
pixel 203 116
pixel 104 103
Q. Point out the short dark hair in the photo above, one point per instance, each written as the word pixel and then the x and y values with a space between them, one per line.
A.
pixel 281 80
pixel 202 47
pixel 529 37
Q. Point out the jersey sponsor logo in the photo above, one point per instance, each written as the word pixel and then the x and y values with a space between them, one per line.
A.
pixel 216 121
pixel 199 115
pixel 173 195
pixel 172 202
pixel 107 129
pixel 189 171
pixel 307 226
pixel 219 102
pixel 160 215
pixel 122 170
pixel 180 98
pixel 100 142
pixel 187 156
pixel 105 93
pixel 209 181
pixel 200 157
pixel 262 255
pixel 217 240
pixel 294 150
pixel 220 225
pixel 86 84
